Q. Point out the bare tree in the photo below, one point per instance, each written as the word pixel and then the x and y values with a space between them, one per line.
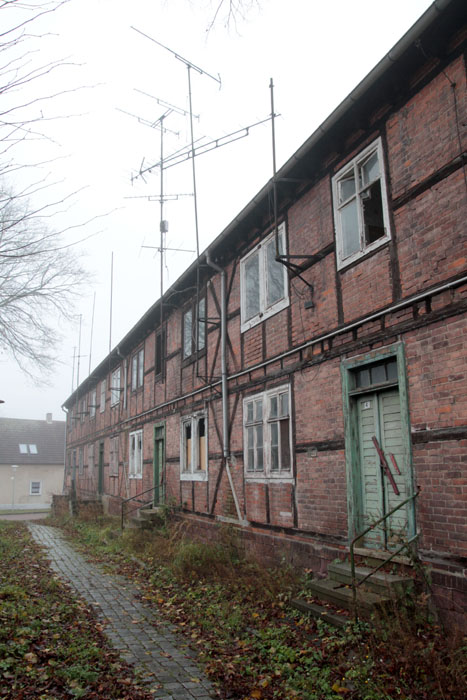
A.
pixel 40 273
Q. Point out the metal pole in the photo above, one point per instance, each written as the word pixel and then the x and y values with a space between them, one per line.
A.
pixel 274 182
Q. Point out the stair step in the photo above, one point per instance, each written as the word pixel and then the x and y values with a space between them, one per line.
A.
pixel 333 592
pixel 320 613
pixel 379 582
pixel 150 513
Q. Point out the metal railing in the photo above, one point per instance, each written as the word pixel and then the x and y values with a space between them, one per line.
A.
pixel 403 546
pixel 141 504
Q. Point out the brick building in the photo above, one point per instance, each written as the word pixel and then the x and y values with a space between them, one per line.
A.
pixel 264 395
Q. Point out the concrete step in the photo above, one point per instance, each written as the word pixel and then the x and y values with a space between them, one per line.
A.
pixel 151 514
pixel 392 585
pixel 319 612
pixel 341 596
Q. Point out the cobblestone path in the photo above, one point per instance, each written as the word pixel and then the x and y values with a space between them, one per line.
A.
pixel 134 629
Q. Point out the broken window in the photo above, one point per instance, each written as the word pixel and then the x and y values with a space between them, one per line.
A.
pixel 360 205
pixel 263 281
pixel 194 454
pixel 194 328
pixel 267 434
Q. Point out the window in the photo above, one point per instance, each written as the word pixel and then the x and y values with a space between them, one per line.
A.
pixel 82 409
pixel 194 451
pixel 113 461
pixel 35 488
pixel 80 462
pixel 263 281
pixel 160 350
pixel 194 329
pixel 137 370
pixel 27 449
pixel 91 457
pixel 267 434
pixel 115 387
pixel 102 401
pixel 136 455
pixel 92 403
pixel 360 205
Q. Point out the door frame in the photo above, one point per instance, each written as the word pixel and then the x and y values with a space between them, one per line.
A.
pixel 352 461
pixel 159 493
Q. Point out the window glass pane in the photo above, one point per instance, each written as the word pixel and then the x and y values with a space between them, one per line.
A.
pixel 134 371
pixel 250 436
pixel 346 187
pixel 201 324
pixel 259 409
pixel 369 171
pixel 187 437
pixel 259 447
pixel 350 233
pixel 274 447
pixel 273 407
pixel 284 399
pixel 249 411
pixel 391 369
pixel 275 274
pixel 140 368
pixel 285 444
pixel 23 449
pixel 33 449
pixel 252 286
pixel 363 377
pixel 378 374
pixel 187 333
pixel 372 206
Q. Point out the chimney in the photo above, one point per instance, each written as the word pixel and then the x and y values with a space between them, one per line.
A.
pixel 48 417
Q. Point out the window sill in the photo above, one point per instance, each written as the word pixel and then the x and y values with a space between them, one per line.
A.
pixel 193 358
pixel 135 476
pixel 259 318
pixel 195 476
pixel 363 254
pixel 280 479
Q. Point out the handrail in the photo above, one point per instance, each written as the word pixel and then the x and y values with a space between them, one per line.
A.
pixel 388 559
pixel 133 498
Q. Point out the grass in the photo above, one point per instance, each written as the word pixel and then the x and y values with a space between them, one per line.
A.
pixel 236 615
pixel 51 644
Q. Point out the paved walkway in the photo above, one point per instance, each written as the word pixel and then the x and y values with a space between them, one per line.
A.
pixel 134 629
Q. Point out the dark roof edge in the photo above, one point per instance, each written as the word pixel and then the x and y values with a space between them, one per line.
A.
pixel 370 79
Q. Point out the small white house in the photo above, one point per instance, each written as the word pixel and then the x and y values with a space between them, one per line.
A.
pixel 31 462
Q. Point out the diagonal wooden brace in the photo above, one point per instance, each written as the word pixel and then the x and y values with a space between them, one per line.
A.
pixel 385 465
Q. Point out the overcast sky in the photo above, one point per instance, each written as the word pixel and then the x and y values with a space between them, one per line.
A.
pixel 315 52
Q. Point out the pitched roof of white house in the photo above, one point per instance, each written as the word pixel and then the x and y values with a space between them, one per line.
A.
pixel 29 442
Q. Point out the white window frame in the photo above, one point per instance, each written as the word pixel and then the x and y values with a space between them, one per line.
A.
pixel 265 310
pixel 353 165
pixel 137 370
pixel 135 461
pixel 113 456
pixel 189 471
pixel 103 393
pixel 115 386
pixel 266 421
pixel 92 403
pixel 33 492
pixel 91 457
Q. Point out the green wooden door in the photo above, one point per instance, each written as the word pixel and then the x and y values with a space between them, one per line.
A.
pixel 158 464
pixel 379 416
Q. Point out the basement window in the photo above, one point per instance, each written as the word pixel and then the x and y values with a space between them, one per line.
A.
pixel 267 433
pixel 27 449
pixel 35 488
pixel 360 205
pixel 263 282
pixel 193 448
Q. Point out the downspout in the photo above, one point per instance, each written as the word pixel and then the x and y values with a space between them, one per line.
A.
pixel 224 385
pixel 65 411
